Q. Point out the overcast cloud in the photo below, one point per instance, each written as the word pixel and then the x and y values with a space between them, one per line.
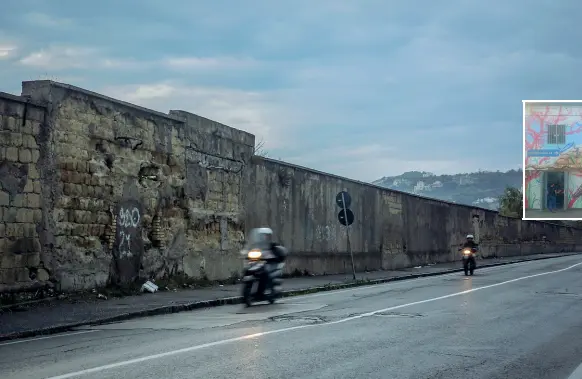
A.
pixel 362 89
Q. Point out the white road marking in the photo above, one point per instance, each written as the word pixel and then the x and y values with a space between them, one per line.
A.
pixel 47 337
pixel 325 293
pixel 436 276
pixel 277 331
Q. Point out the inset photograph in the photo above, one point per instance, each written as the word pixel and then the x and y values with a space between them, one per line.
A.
pixel 552 184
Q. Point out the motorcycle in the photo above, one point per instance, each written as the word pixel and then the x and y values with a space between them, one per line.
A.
pixel 469 260
pixel 262 276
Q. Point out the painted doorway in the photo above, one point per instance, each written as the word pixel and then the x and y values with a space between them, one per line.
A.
pixel 555 183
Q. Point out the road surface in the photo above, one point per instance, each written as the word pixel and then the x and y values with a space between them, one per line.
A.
pixel 515 321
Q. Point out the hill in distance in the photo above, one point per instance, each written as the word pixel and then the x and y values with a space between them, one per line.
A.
pixel 481 189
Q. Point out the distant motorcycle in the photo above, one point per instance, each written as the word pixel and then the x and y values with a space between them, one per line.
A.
pixel 469 262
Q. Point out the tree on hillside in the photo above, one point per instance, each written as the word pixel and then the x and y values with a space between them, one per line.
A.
pixel 511 202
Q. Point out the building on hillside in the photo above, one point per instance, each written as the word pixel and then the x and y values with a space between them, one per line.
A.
pixel 422 186
pixel 466 180
pixel 553 153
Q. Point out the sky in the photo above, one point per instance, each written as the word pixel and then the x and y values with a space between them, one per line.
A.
pixel 362 89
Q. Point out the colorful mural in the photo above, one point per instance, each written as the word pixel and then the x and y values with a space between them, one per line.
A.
pixel 542 154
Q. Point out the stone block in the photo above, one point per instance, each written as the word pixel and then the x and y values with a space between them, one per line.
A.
pixel 8 138
pixel 24 215
pixel 11 154
pixel 2 153
pixel 31 259
pixel 103 218
pixel 81 217
pixel 35 155
pixel 18 200
pixel 9 214
pixel 27 128
pixel 25 156
pixel 69 189
pixel 36 128
pixel 4 199
pixel 2 230
pixel 32 200
pixel 81 166
pixel 33 172
pixel 14 230
pixel 75 178
pixel 37 215
pixel 22 274
pixel 80 230
pixel 29 141
pixel 37 187
pixel 6 258
pixel 7 276
pixel 11 123
pixel 29 186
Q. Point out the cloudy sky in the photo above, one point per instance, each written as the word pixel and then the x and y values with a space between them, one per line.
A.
pixel 364 88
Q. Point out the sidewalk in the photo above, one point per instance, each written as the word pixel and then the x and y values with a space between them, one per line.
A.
pixel 61 315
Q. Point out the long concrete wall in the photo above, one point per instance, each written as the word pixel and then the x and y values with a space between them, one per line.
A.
pixel 95 191
pixel 391 229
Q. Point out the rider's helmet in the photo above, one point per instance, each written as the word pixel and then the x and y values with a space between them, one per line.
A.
pixel 260 238
pixel 265 235
pixel 470 236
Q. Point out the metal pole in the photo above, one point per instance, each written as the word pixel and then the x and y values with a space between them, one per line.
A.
pixel 349 245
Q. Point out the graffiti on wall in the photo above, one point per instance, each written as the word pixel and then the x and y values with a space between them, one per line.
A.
pixel 128 246
pixel 553 141
pixel 533 190
pixel 127 223
pixel 574 189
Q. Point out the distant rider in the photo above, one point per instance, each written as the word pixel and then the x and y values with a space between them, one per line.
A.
pixel 470 243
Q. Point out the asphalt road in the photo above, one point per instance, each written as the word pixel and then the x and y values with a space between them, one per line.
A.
pixel 515 321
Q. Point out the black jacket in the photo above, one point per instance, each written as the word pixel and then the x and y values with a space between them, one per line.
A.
pixel 470 244
pixel 279 251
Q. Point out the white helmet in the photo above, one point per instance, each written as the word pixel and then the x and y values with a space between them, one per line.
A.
pixel 259 236
pixel 264 230
pixel 470 236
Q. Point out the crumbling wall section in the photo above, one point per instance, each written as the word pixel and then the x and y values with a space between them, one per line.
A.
pixel 138 193
pixel 21 222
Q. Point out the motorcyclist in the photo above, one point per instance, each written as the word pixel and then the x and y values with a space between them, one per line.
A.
pixel 470 242
pixel 275 253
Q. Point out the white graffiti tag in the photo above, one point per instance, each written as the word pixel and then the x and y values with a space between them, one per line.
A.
pixel 124 245
pixel 128 217
pixel 127 221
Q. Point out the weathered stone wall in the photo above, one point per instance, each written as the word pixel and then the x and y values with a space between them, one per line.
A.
pixel 20 194
pixel 135 193
pixel 391 229
pixel 94 191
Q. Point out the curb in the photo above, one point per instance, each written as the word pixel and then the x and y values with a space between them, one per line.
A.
pixel 238 300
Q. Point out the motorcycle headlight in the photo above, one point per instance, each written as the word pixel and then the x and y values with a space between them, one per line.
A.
pixel 467 252
pixel 255 254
